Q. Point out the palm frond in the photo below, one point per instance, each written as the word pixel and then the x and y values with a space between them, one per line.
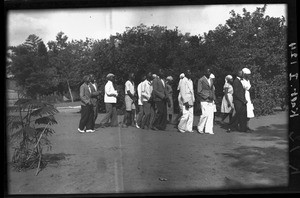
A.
pixel 46 120
pixel 30 132
pixel 47 132
pixel 46 110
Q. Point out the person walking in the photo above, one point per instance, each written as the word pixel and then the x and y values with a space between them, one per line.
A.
pixel 129 101
pixel 206 94
pixel 187 93
pixel 110 100
pixel 247 86
pixel 239 120
pixel 170 106
pixel 160 97
pixel 94 95
pixel 86 123
pixel 140 103
pixel 227 101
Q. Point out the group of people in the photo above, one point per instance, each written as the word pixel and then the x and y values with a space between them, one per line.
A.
pixel 150 104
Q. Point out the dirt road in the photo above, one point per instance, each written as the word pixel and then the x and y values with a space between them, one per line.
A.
pixel 114 160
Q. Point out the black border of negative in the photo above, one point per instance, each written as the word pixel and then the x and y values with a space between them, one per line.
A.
pixel 292 68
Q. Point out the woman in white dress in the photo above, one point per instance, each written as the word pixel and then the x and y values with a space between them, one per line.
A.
pixel 227 104
pixel 246 84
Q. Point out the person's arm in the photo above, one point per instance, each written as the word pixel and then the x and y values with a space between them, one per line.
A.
pixel 83 97
pixel 109 90
pixel 94 94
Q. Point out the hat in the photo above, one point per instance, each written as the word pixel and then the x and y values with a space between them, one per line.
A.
pixel 246 71
pixel 181 75
pixel 169 78
pixel 110 75
pixel 228 77
pixel 154 75
pixel 212 76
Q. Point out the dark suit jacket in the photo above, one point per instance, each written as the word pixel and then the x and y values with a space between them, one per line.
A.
pixel 204 90
pixel 85 94
pixel 94 94
pixel 159 90
pixel 238 92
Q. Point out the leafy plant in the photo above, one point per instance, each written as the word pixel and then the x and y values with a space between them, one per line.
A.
pixel 28 123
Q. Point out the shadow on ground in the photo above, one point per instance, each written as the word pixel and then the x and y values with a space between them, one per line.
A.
pixel 54 159
pixel 270 163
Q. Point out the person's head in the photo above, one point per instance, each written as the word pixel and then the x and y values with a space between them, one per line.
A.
pixel 92 78
pixel 161 73
pixel 110 77
pixel 131 76
pixel 149 76
pixel 143 77
pixel 207 72
pixel 240 74
pixel 86 79
pixel 169 79
pixel 229 79
pixel 182 75
pixel 247 73
pixel 188 74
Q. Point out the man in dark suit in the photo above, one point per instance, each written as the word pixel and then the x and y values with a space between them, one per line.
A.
pixel 239 120
pixel 86 123
pixel 160 97
pixel 94 95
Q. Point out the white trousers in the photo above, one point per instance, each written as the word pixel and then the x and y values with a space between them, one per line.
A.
pixel 207 118
pixel 186 120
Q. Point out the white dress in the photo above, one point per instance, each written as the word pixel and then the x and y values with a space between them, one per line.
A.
pixel 224 105
pixel 250 107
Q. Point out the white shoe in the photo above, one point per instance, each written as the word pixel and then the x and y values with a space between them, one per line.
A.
pixel 90 131
pixel 201 132
pixel 137 126
pixel 80 131
pixel 211 133
pixel 181 131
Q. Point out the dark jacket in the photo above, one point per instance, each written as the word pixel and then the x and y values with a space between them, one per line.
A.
pixel 205 91
pixel 94 94
pixel 159 90
pixel 238 92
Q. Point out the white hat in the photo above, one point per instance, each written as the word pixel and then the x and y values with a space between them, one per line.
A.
pixel 154 75
pixel 246 71
pixel 181 75
pixel 169 78
pixel 212 76
pixel 110 75
pixel 228 77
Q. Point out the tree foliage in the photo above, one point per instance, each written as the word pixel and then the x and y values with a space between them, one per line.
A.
pixel 250 40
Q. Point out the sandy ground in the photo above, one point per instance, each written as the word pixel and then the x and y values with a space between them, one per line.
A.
pixel 130 160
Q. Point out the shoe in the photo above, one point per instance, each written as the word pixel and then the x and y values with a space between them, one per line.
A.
pixel 90 131
pixel 201 132
pixel 155 129
pixel 137 126
pixel 101 126
pixel 211 133
pixel 80 131
pixel 181 131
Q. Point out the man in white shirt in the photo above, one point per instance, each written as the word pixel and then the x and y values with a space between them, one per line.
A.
pixel 110 100
pixel 129 101
pixel 147 101
pixel 187 93
pixel 140 103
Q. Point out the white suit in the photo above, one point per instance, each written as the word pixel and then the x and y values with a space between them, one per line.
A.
pixel 187 94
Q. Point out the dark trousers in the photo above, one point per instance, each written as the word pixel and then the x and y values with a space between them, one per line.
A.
pixel 111 115
pixel 140 115
pixel 152 114
pixel 161 116
pixel 95 110
pixel 240 117
pixel 147 114
pixel 87 118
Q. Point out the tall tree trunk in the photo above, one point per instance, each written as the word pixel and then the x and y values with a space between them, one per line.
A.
pixel 70 91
